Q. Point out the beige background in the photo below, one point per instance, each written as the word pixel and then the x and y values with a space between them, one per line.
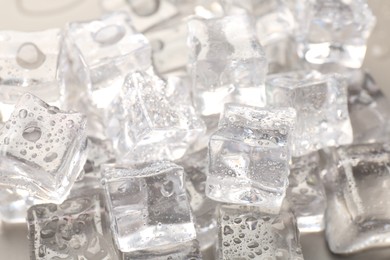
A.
pixel 30 15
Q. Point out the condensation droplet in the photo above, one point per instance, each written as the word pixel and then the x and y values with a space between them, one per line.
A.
pixel 109 35
pixel 23 113
pixel 29 56
pixel 32 133
pixel 50 157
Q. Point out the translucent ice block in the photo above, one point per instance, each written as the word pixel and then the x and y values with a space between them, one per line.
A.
pixel 75 229
pixel 249 156
pixel 185 251
pixel 150 121
pixel 28 63
pixel 321 104
pixel 333 31
pixel 227 63
pixel 306 193
pixel 203 208
pixel 95 58
pixel 358 213
pixel 247 233
pixel 42 149
pixel 148 206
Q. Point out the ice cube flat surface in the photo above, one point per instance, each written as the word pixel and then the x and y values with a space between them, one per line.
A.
pixel 246 233
pixel 148 206
pixel 203 208
pixel 42 149
pixel 151 121
pixel 185 251
pixel 358 212
pixel 249 156
pixel 334 31
pixel 227 63
pixel 306 192
pixel 28 63
pixel 75 229
pixel 321 104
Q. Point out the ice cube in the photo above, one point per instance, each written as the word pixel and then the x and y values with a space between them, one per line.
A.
pixel 28 63
pixel 358 213
pixel 95 58
pixel 249 156
pixel 321 104
pixel 306 193
pixel 227 63
pixel 185 251
pixel 148 205
pixel 42 149
pixel 149 122
pixel 247 233
pixel 75 229
pixel 369 109
pixel 333 31
pixel 203 208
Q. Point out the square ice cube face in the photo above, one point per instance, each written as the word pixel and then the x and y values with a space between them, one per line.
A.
pixel 334 31
pixel 185 251
pixel 76 229
pixel 306 193
pixel 42 149
pixel 249 156
pixel 28 62
pixel 227 63
pixel 321 104
pixel 247 233
pixel 358 213
pixel 151 122
pixel 98 55
pixel 148 206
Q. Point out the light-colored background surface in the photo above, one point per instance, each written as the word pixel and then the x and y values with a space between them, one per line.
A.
pixel 31 15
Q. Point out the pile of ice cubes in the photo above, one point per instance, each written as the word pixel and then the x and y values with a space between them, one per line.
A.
pixel 170 127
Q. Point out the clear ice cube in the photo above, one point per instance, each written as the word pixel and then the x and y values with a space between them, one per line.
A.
pixel 185 251
pixel 148 206
pixel 203 208
pixel 28 63
pixel 321 104
pixel 75 229
pixel 358 212
pixel 306 193
pixel 227 63
pixel 249 156
pixel 42 149
pixel 150 121
pixel 95 58
pixel 333 31
pixel 247 233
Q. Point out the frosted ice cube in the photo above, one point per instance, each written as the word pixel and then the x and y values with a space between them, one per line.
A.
pixel 203 208
pixel 75 229
pixel 148 206
pixel 149 122
pixel 227 63
pixel 184 251
pixel 358 213
pixel 306 193
pixel 333 31
pixel 321 104
pixel 247 233
pixel 42 149
pixel 28 63
pixel 249 156
pixel 95 58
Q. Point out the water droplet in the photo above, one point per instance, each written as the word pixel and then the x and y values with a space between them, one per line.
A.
pixel 251 223
pixel 70 123
pixel 50 157
pixel 237 240
pixel 227 230
pixel 29 56
pixel 32 133
pixel 47 233
pixel 109 35
pixel 167 188
pixel 53 110
pixel 23 113
pixel 23 152
pixel 253 244
pixel 6 140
